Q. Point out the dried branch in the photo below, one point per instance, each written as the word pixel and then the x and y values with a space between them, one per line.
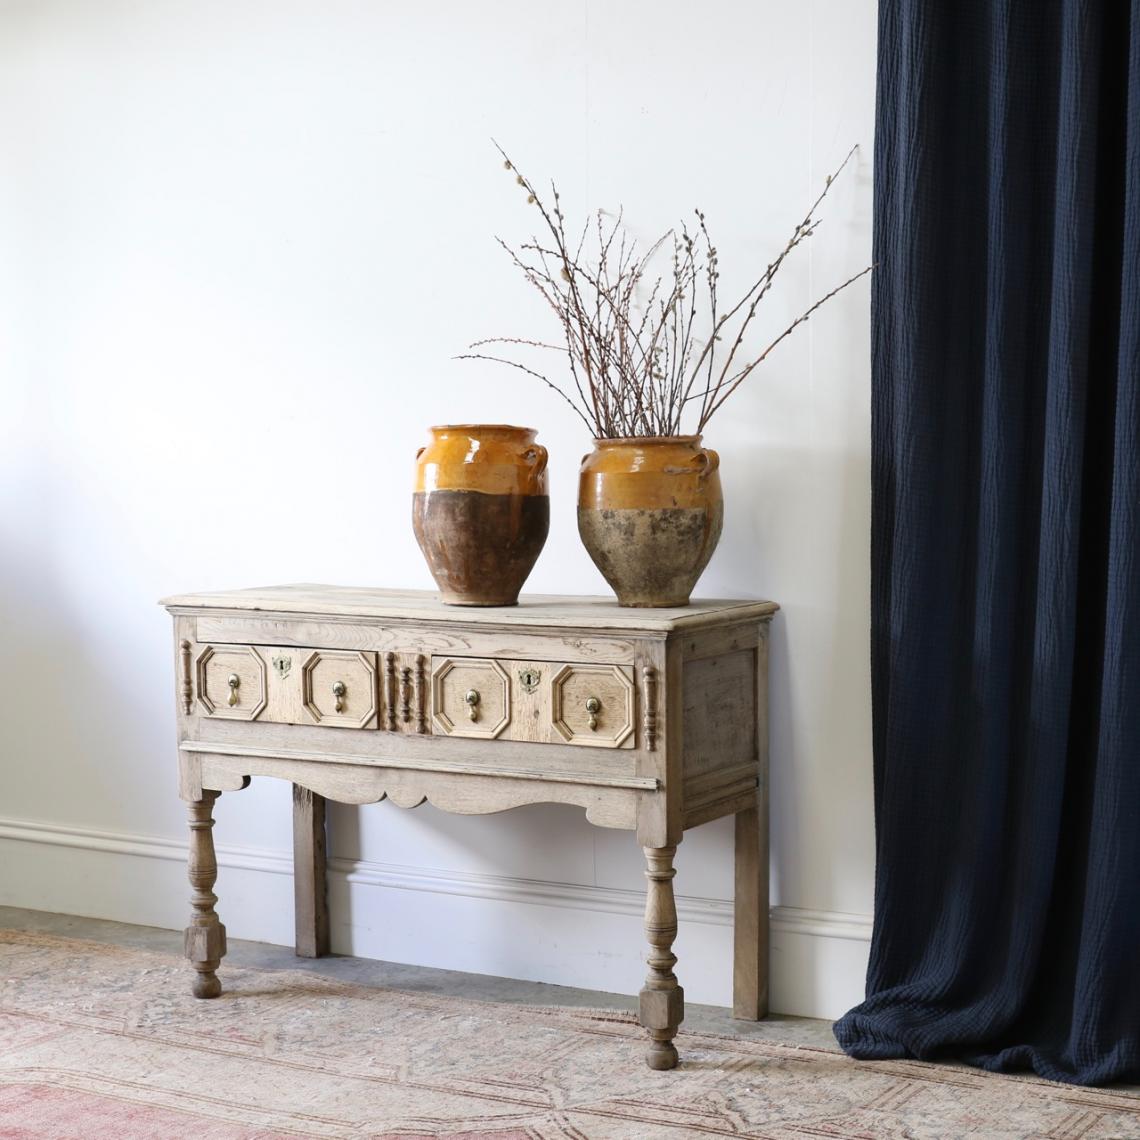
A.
pixel 636 368
pixel 529 372
pixel 743 374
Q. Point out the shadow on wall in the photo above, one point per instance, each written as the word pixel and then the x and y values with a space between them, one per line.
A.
pixel 80 710
pixel 819 663
pixel 488 862
pixel 72 698
pixel 822 838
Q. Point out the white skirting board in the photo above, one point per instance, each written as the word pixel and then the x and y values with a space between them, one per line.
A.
pixel 484 924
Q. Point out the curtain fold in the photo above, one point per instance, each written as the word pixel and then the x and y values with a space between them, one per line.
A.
pixel 1006 539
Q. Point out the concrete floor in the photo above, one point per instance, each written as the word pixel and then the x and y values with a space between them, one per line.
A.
pixel 420 979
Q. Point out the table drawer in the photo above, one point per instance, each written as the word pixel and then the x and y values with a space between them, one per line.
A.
pixel 336 688
pixel 540 701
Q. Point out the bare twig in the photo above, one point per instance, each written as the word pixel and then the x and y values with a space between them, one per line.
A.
pixel 529 372
pixel 743 374
pixel 636 367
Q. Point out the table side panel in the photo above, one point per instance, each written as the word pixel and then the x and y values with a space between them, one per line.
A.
pixel 724 712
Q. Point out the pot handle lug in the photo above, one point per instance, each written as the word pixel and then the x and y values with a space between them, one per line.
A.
pixel 709 461
pixel 538 455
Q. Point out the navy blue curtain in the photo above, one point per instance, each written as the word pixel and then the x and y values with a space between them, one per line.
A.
pixel 1005 535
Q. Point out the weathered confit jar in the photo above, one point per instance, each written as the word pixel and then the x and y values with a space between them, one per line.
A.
pixel 481 510
pixel 650 512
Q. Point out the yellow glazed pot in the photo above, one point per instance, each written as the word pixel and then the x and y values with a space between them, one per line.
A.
pixel 650 512
pixel 481 510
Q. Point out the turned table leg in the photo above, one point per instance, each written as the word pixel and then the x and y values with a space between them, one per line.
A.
pixel 310 892
pixel 205 943
pixel 662 999
pixel 750 933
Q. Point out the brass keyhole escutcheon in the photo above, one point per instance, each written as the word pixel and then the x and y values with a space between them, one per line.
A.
pixel 593 707
pixel 471 697
pixel 529 679
pixel 339 689
pixel 282 665
pixel 234 683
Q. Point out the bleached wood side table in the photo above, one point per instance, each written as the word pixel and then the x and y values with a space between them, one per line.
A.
pixel 651 720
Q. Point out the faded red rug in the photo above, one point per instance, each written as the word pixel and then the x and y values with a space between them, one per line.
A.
pixel 103 1043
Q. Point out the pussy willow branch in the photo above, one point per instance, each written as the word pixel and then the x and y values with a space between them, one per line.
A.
pixel 743 374
pixel 529 372
pixel 636 368
pixel 753 298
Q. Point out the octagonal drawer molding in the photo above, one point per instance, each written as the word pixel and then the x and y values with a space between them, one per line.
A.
pixel 231 682
pixel 593 705
pixel 470 696
pixel 339 688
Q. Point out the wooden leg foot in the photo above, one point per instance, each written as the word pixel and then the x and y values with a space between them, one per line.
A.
pixel 662 999
pixel 205 939
pixel 206 984
pixel 661 1054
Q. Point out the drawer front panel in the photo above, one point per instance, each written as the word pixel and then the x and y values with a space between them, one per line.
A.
pixel 544 702
pixel 339 688
pixel 470 697
pixel 232 682
pixel 592 705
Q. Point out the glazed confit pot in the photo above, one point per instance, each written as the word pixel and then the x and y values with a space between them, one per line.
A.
pixel 481 510
pixel 650 512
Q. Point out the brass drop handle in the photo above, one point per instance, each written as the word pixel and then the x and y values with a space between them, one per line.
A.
pixel 593 707
pixel 472 699
pixel 234 683
pixel 339 691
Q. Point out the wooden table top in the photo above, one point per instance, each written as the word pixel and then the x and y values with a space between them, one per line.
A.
pixel 550 610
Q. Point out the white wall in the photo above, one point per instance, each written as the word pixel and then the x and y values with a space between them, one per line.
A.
pixel 240 243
